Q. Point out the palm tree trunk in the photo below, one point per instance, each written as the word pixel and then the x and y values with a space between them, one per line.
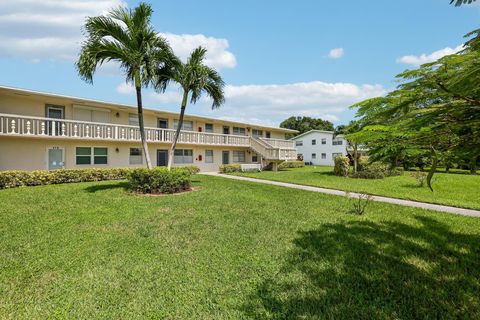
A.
pixel 138 88
pixel 179 127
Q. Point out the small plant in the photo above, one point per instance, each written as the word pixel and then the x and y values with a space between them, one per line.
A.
pixel 228 168
pixel 159 180
pixel 359 203
pixel 421 177
pixel 341 166
pixel 291 164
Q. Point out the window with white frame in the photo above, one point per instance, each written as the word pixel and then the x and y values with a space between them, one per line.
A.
pixel 183 156
pixel 132 119
pixel 314 156
pixel 238 156
pixel 254 157
pixel 187 125
pixel 89 155
pixel 135 156
pixel 324 156
pixel 337 142
pixel 208 156
pixel 299 143
pixel 324 141
pixel 209 127
pixel 314 142
pixel 338 154
pixel 239 131
pixel 257 133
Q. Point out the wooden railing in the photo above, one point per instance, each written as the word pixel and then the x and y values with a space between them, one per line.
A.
pixel 15 125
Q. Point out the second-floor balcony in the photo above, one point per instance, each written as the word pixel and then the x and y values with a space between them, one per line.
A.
pixel 25 126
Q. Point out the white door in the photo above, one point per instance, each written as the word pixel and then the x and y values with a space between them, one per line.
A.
pixel 55 158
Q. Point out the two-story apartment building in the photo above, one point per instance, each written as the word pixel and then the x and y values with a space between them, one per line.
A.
pixel 321 147
pixel 49 131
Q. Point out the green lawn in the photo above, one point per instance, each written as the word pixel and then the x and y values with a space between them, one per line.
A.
pixel 460 190
pixel 232 250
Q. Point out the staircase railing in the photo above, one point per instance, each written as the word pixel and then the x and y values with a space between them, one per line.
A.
pixel 272 153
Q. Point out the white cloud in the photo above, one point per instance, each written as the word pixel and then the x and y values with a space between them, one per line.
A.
pixel 217 56
pixel 270 104
pixel 47 29
pixel 417 61
pixel 336 53
pixel 125 88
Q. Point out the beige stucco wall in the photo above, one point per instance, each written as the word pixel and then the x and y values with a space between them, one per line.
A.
pixel 31 154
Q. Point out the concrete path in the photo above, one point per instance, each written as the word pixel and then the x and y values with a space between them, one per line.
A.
pixel 408 203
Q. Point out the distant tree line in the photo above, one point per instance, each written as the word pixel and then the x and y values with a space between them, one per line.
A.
pixel 304 124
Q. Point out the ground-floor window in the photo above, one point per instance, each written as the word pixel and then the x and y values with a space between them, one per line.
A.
pixel 89 155
pixel 254 157
pixel 324 156
pixel 183 156
pixel 135 156
pixel 314 156
pixel 208 156
pixel 334 155
pixel 238 156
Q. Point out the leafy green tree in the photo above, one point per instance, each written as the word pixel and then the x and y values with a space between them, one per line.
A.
pixel 460 2
pixel 127 37
pixel 304 124
pixel 352 141
pixel 195 78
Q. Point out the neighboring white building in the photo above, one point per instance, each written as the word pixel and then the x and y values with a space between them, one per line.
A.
pixel 320 147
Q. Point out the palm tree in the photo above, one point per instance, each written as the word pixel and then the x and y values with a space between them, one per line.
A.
pixel 460 2
pixel 127 37
pixel 194 78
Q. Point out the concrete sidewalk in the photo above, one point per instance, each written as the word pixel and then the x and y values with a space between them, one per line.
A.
pixel 408 203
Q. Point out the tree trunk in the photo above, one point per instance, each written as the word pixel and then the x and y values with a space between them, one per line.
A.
pixel 473 167
pixel 355 159
pixel 179 127
pixel 138 88
pixel 432 169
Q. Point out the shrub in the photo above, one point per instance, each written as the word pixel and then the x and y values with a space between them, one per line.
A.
pixel 17 178
pixel 374 170
pixel 341 166
pixel 228 168
pixel 291 164
pixel 191 169
pixel 398 171
pixel 159 180
pixel 362 162
pixel 421 177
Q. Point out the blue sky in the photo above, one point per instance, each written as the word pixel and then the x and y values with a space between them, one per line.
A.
pixel 278 58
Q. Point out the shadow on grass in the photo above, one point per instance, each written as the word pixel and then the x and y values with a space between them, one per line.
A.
pixel 110 186
pixel 367 270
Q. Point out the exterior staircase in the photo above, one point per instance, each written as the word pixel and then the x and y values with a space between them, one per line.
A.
pixel 273 151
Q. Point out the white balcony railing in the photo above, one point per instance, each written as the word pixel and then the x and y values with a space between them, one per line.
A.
pixel 279 143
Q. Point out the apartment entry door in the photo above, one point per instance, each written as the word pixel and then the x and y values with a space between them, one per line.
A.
pixel 225 157
pixel 162 158
pixel 54 112
pixel 55 158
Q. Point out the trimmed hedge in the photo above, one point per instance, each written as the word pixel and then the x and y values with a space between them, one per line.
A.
pixel 342 165
pixel 159 180
pixel 17 178
pixel 373 170
pixel 291 164
pixel 192 169
pixel 228 168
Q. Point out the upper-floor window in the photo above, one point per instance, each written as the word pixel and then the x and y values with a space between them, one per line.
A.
pixel 257 133
pixel 324 141
pixel 162 123
pixel 299 143
pixel 209 127
pixel 268 134
pixel 132 119
pixel 187 125
pixel 239 131
pixel 337 142
pixel 314 142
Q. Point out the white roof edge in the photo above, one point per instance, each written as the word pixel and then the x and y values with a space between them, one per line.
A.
pixel 312 131
pixel 114 104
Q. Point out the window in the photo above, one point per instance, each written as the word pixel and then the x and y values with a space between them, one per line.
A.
pixel 132 119
pixel 85 156
pixel 324 141
pixel 239 131
pixel 324 156
pixel 298 143
pixel 254 157
pixel 183 156
pixel 187 125
pixel 209 127
pixel 136 156
pixel 314 156
pixel 238 156
pixel 257 133
pixel 208 156
pixel 337 142
pixel 334 155
pixel 162 123
pixel 314 142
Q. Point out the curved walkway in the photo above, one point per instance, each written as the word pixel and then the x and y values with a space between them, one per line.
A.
pixel 402 202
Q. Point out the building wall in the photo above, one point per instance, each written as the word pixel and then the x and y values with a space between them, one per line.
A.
pixel 328 149
pixel 31 154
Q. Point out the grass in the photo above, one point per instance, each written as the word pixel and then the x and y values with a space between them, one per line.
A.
pixel 232 250
pixel 454 189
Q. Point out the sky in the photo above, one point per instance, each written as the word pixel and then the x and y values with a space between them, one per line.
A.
pixel 278 58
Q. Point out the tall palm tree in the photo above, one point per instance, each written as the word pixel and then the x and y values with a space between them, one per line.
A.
pixel 460 2
pixel 127 37
pixel 194 78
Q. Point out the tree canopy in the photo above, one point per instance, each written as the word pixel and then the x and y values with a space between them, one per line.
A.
pixel 304 124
